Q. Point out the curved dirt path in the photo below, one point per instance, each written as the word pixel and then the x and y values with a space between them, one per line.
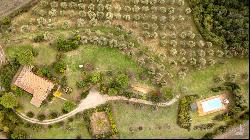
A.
pixel 93 100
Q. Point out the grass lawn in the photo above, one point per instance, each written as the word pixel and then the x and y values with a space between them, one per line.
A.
pixel 11 51
pixel 24 100
pixel 103 59
pixel 127 115
pixel 70 130
pixel 200 82
pixel 46 55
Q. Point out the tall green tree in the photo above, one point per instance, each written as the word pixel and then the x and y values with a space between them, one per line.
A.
pixel 25 57
pixel 122 80
pixel 9 100
pixel 68 106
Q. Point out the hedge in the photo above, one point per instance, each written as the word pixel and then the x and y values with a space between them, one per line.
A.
pixel 184 119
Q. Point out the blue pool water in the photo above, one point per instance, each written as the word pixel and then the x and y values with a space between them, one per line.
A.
pixel 211 105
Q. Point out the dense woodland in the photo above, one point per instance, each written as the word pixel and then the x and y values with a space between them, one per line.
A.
pixel 224 22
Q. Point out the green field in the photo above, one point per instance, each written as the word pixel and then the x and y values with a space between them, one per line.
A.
pixel 70 130
pixel 200 82
pixel 127 115
pixel 103 59
pixel 46 55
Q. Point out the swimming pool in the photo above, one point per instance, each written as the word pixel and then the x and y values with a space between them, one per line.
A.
pixel 212 104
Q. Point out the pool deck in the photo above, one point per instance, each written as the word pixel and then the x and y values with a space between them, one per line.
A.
pixel 200 109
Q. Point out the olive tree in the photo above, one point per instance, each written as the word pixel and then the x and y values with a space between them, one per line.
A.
pixel 183 60
pixel 173 51
pixel 188 10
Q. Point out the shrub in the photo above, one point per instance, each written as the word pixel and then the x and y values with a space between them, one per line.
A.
pixel 167 93
pixel 128 94
pixel 30 114
pixel 216 89
pixel 96 77
pixel 81 84
pixel 63 82
pixel 24 55
pixel 50 96
pixel 19 134
pixel 218 78
pixel 122 80
pixel 39 38
pixel 5 21
pixel 59 67
pixel 155 96
pixel 53 115
pixel 68 106
pixel 204 126
pixel 78 137
pixel 208 136
pixel 112 91
pixel 68 44
pixel 7 72
pixel 245 76
pixel 84 94
pixel 9 100
pixel 43 71
pixel 41 117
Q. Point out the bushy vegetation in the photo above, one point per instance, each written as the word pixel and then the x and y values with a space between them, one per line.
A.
pixel 223 128
pixel 41 117
pixel 69 44
pixel 167 93
pixel 39 38
pixel 19 134
pixel 155 96
pixel 10 123
pixel 7 72
pixel 30 114
pixel 184 118
pixel 5 21
pixel 8 100
pixel 238 104
pixel 24 54
pixel 204 126
pixel 59 66
pixel 68 106
pixel 224 23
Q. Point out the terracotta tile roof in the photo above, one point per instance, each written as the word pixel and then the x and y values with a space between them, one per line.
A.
pixel 33 84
